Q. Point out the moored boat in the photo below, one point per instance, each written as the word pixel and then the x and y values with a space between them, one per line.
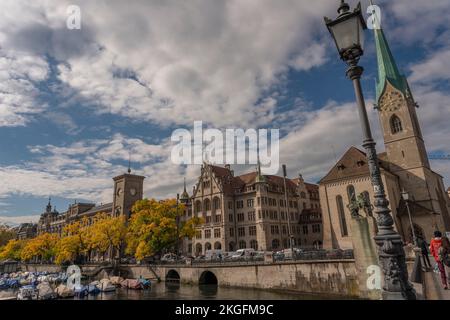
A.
pixel 46 292
pixel 64 292
pixel 28 293
pixel 106 285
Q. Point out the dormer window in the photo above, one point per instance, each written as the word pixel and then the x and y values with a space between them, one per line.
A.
pixel 341 167
pixel 360 163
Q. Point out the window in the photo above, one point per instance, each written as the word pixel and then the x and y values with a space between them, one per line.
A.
pixel 303 195
pixel 216 203
pixel 275 244
pixel 198 206
pixel 241 232
pixel 250 203
pixel 351 193
pixel 208 219
pixel 305 229
pixel 316 228
pixel 239 204
pixel 396 124
pixel 230 217
pixel 216 233
pixel 242 244
pixel 231 232
pixel 251 216
pixel 254 244
pixel 274 230
pixel 252 231
pixel 240 217
pixel 284 230
pixel 217 218
pixel 207 234
pixel 341 213
pixel 230 205
pixel 207 204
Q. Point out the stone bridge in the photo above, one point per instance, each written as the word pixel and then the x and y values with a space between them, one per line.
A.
pixel 330 277
pixel 322 277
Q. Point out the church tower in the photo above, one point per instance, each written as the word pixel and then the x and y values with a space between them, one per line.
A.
pixel 128 188
pixel 397 110
pixel 405 147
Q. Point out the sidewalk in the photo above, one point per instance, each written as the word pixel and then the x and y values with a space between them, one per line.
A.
pixel 433 286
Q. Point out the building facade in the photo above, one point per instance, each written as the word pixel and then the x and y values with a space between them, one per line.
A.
pixel 404 166
pixel 128 188
pixel 251 211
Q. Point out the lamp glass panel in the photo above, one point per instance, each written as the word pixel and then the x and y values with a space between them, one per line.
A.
pixel 347 33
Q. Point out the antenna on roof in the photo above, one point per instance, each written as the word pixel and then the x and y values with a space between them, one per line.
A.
pixel 129 162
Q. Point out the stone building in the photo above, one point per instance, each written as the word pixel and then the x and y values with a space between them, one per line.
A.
pixel 128 188
pixel 250 211
pixel 404 166
pixel 26 231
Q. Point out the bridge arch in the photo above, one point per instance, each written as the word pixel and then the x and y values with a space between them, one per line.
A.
pixel 172 276
pixel 207 277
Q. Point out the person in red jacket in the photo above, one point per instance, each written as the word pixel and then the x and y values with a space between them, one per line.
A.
pixel 435 245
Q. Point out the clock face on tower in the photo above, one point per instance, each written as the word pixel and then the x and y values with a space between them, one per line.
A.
pixel 391 101
pixel 133 191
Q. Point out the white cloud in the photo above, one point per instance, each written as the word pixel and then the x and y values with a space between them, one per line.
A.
pixel 173 62
pixel 16 220
pixel 19 76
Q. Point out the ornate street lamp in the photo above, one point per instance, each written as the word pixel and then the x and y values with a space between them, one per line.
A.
pixel 348 33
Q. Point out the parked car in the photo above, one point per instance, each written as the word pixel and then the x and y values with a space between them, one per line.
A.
pixel 214 255
pixel 291 255
pixel 169 257
pixel 278 256
pixel 243 254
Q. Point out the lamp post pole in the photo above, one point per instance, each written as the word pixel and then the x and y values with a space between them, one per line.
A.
pixel 177 219
pixel 405 196
pixel 391 255
pixel 291 240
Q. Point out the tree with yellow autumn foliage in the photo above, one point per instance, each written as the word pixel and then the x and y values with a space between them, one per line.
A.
pixel 12 250
pixel 153 227
pixel 42 248
pixel 75 242
pixel 108 233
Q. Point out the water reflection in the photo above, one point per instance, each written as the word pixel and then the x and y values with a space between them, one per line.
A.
pixel 175 291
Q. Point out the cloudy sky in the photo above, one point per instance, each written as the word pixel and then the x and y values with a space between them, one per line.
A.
pixel 75 103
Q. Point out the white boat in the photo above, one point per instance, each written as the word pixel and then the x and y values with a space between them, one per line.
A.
pixel 105 285
pixel 28 293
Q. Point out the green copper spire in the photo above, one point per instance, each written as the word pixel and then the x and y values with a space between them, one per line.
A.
pixel 387 68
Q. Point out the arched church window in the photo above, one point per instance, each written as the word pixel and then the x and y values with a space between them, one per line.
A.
pixel 396 124
pixel 341 214
pixel 351 193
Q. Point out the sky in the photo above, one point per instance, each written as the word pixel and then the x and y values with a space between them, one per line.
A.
pixel 75 104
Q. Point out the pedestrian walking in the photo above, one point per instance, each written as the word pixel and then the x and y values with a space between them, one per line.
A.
pixel 437 249
pixel 423 246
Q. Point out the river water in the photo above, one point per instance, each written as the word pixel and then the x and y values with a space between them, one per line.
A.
pixel 173 291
